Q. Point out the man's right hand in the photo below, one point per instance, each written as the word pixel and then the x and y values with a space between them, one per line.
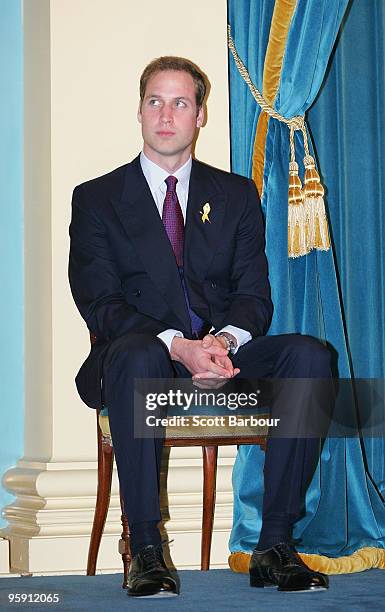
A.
pixel 208 380
pixel 198 359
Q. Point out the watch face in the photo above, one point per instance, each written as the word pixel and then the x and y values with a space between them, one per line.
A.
pixel 227 342
pixel 230 342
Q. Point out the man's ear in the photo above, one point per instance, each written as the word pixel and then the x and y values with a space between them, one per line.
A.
pixel 200 117
pixel 139 113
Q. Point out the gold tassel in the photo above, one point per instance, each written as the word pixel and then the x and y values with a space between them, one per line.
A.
pixel 315 207
pixel 298 230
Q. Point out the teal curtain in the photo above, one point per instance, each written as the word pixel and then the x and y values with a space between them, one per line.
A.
pixel 348 126
pixel 344 508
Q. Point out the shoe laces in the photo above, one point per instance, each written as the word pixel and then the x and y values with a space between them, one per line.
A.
pixel 288 554
pixel 152 557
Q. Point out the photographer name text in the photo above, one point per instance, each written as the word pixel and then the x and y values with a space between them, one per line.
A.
pixel 211 421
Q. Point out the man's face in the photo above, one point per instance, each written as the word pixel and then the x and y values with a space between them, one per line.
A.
pixel 169 116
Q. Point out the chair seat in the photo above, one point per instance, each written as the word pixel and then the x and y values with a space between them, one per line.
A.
pixel 237 429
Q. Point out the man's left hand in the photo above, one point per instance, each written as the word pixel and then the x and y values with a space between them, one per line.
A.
pixel 204 377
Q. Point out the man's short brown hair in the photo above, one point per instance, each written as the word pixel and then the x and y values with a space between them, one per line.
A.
pixel 170 62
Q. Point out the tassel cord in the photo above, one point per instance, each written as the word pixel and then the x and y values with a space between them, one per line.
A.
pixel 295 123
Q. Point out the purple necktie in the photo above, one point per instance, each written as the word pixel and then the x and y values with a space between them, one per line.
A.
pixel 172 218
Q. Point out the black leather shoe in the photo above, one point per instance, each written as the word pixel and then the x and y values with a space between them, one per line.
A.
pixel 149 575
pixel 282 566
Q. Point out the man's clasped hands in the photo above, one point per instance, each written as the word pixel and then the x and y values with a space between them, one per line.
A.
pixel 206 359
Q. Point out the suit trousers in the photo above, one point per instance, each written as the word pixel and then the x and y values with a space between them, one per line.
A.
pixel 290 461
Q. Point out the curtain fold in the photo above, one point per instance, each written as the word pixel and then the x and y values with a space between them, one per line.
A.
pixel 344 510
pixel 351 149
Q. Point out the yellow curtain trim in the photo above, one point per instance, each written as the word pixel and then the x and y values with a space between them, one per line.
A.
pixel 361 560
pixel 279 29
pixel 259 151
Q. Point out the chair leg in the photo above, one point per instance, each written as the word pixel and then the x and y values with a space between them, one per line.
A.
pixel 210 454
pixel 124 545
pixel 105 465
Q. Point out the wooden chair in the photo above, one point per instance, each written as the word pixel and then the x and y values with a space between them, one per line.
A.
pixel 208 438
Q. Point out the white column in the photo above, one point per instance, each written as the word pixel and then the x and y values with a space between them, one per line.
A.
pixel 83 59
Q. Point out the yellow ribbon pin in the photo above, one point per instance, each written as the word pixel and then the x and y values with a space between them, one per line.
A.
pixel 205 213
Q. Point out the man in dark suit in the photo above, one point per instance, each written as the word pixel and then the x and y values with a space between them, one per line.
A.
pixel 167 267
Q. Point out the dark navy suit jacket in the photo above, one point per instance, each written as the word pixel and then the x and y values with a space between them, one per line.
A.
pixel 123 273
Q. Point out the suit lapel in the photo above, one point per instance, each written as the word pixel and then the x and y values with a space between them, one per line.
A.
pixel 202 238
pixel 140 218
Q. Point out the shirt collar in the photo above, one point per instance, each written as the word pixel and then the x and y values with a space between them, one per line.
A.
pixel 155 175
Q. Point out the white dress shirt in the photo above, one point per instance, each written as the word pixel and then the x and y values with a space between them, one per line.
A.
pixel 155 177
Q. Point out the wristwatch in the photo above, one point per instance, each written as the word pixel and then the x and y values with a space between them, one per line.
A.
pixel 231 343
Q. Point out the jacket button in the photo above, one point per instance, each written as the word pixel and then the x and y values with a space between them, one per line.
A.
pixel 214 285
pixel 137 293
